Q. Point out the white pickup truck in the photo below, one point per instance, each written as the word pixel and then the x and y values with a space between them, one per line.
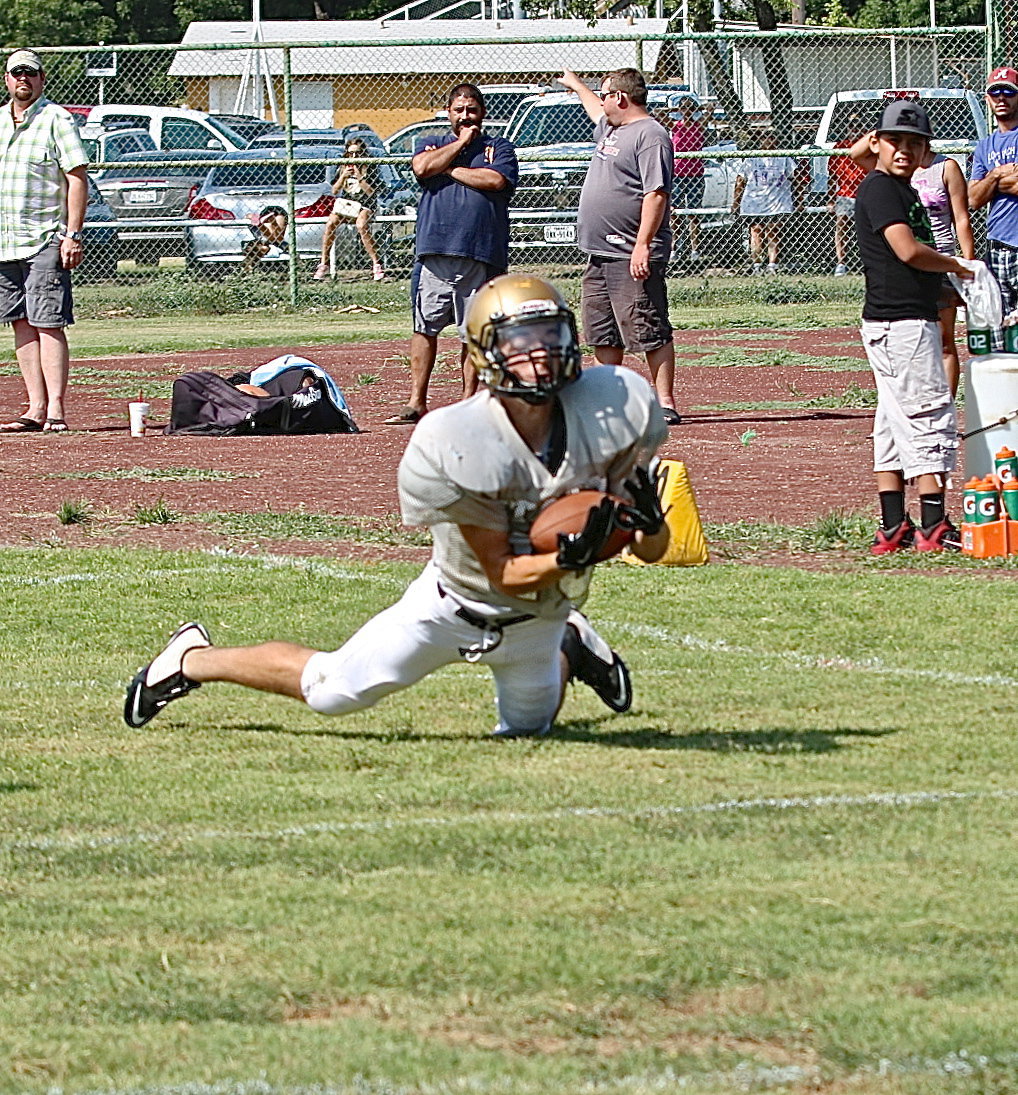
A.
pixel 957 116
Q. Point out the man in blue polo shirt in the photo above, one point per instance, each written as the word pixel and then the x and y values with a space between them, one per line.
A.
pixel 995 182
pixel 468 179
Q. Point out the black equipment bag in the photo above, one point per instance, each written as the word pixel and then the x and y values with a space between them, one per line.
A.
pixel 206 403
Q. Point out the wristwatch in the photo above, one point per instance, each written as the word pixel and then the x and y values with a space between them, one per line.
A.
pixel 76 236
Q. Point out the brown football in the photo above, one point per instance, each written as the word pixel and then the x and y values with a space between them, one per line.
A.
pixel 569 514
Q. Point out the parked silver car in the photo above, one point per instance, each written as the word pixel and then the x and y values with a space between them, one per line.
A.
pixel 221 213
pixel 149 192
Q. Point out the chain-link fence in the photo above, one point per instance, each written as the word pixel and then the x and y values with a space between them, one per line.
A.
pixel 220 155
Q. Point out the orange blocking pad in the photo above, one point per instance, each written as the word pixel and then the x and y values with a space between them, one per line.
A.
pixel 991 539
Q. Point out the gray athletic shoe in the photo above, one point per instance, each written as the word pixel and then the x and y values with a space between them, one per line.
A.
pixel 592 661
pixel 163 679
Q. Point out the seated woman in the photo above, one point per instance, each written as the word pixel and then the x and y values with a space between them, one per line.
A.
pixel 355 185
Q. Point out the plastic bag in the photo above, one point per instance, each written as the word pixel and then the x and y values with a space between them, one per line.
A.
pixel 983 306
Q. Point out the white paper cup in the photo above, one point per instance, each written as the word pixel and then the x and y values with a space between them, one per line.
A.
pixel 138 413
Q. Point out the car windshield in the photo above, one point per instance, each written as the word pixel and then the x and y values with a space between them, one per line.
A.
pixel 266 176
pixel 499 105
pixel 560 123
pixel 404 145
pixel 951 119
pixel 250 130
pixel 231 135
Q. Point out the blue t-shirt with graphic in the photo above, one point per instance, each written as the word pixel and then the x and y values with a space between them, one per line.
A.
pixel 456 219
pixel 991 152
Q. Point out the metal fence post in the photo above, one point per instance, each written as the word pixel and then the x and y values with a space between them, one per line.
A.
pixel 291 190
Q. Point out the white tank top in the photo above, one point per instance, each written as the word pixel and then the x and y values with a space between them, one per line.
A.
pixel 929 184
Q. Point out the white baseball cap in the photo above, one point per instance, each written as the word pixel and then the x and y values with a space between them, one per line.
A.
pixel 24 57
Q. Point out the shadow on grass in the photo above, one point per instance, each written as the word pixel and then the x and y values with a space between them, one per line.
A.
pixel 600 732
pixel 773 740
pixel 335 730
pixel 793 415
pixel 11 787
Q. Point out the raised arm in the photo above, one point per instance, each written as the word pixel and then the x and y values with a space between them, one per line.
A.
pixel 590 99
pixel 862 153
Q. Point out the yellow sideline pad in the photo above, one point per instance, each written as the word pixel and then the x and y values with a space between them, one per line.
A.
pixel 688 545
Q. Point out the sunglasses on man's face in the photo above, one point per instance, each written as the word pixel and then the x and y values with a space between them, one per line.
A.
pixel 22 70
pixel 602 95
pixel 1002 92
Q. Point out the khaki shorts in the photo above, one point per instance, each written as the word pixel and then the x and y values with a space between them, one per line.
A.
pixel 915 428
pixel 619 311
pixel 37 289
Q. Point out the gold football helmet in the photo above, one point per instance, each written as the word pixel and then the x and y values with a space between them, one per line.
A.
pixel 521 338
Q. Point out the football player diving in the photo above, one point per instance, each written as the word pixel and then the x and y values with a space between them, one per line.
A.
pixel 476 473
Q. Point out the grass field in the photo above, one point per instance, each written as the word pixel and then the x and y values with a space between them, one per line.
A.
pixel 790 867
pixel 146 316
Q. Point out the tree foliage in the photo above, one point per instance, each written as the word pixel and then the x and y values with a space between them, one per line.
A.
pixel 85 22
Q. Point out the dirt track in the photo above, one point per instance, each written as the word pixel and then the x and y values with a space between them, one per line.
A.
pixel 785 466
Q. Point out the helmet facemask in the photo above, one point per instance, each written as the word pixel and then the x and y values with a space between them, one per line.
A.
pixel 530 355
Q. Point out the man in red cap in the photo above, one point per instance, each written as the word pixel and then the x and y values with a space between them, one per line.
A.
pixel 995 182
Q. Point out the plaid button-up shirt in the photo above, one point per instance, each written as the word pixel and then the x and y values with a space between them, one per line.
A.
pixel 34 157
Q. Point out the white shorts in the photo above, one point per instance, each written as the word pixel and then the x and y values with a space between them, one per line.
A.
pixel 421 633
pixel 915 428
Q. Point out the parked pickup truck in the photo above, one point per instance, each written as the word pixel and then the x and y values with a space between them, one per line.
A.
pixel 554 140
pixel 957 117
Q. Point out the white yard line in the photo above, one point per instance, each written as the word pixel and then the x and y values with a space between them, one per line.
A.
pixel 804 661
pixel 747 1077
pixel 885 799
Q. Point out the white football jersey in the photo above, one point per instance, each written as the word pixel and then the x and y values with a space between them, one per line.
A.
pixel 467 465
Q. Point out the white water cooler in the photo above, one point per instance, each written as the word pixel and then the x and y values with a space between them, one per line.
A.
pixel 991 393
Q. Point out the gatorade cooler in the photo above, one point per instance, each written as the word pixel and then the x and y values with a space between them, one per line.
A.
pixel 991 392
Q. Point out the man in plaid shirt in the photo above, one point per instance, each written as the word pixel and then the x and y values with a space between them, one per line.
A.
pixel 43 195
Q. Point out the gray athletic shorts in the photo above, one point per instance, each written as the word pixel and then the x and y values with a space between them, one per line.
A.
pixel 37 289
pixel 440 290
pixel 915 428
pixel 844 207
pixel 622 312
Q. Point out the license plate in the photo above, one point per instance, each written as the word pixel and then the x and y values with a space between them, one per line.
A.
pixel 141 197
pixel 560 233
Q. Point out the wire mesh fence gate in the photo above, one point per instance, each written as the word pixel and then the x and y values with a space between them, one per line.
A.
pixel 194 146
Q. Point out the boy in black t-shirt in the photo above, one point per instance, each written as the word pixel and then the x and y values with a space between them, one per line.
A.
pixel 915 429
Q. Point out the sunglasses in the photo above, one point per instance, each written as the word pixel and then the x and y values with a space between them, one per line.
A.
pixel 1002 92
pixel 24 70
pixel 602 95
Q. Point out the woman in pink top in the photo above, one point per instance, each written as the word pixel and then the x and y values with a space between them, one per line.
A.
pixel 688 181
pixel 942 190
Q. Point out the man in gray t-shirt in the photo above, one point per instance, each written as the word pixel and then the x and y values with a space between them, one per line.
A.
pixel 623 226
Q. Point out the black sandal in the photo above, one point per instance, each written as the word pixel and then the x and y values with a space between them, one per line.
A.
pixel 21 425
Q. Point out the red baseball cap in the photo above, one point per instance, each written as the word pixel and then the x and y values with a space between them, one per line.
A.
pixel 1002 77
